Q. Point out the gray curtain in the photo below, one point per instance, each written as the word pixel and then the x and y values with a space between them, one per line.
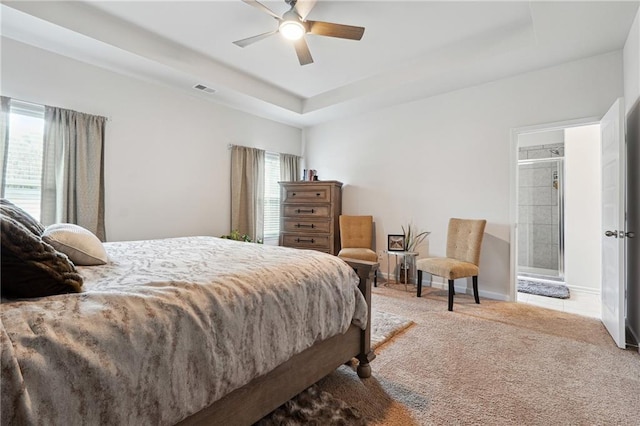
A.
pixel 247 191
pixel 4 140
pixel 289 167
pixel 73 169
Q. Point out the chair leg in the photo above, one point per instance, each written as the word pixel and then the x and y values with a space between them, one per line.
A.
pixel 475 289
pixel 451 293
pixel 419 294
pixel 375 278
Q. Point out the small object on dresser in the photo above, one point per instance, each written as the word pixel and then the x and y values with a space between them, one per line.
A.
pixel 310 175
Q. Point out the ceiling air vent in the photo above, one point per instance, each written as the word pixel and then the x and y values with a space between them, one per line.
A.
pixel 204 88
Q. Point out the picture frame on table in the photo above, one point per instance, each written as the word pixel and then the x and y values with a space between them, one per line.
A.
pixel 395 242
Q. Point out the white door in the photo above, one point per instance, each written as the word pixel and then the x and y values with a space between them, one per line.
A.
pixel 613 222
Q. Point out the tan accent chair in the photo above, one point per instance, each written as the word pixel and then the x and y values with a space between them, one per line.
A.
pixel 464 239
pixel 356 236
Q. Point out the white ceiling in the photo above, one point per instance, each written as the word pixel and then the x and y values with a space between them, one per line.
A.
pixel 410 49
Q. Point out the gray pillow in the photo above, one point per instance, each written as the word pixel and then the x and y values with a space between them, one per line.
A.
pixel 78 243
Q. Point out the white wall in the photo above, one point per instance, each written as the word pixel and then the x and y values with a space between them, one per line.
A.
pixel 449 155
pixel 540 138
pixel 166 157
pixel 582 189
pixel 631 55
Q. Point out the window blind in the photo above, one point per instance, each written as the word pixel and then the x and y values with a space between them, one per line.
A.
pixel 271 195
pixel 23 180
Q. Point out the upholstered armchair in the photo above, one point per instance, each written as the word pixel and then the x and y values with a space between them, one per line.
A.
pixel 356 236
pixel 464 239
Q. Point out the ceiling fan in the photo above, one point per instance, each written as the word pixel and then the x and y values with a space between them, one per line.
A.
pixel 293 25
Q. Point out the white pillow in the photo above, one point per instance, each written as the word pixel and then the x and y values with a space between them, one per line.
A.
pixel 78 243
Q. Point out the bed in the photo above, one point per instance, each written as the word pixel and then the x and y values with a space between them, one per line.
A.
pixel 194 330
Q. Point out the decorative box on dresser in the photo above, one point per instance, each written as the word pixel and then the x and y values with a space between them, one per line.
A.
pixel 309 215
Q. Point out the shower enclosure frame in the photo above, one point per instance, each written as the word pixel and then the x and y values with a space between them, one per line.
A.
pixel 560 203
pixel 516 133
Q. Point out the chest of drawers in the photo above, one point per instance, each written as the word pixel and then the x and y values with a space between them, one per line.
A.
pixel 309 215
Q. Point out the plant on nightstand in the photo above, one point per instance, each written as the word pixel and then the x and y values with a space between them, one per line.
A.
pixel 412 237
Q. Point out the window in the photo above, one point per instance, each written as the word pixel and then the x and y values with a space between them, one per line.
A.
pixel 23 179
pixel 271 196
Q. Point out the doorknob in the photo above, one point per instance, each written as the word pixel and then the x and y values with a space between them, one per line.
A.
pixel 611 234
pixel 630 234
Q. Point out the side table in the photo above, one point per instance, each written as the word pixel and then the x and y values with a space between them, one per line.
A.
pixel 406 258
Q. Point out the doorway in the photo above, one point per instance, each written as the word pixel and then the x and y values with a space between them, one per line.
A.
pixel 556 208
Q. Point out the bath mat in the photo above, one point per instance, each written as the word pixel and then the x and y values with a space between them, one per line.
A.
pixel 559 291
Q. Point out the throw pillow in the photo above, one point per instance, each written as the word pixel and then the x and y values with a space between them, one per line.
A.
pixel 30 266
pixel 21 216
pixel 80 244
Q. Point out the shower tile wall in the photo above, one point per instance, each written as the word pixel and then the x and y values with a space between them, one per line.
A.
pixel 538 210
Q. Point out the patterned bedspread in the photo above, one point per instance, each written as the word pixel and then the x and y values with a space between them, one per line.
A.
pixel 167 328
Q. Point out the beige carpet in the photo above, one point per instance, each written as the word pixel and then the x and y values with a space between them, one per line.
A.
pixel 496 363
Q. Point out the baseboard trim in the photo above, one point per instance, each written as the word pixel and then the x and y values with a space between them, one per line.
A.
pixel 587 290
pixel 439 283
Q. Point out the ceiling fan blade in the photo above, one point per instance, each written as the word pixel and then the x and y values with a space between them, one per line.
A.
pixel 247 41
pixel 303 7
pixel 335 30
pixel 261 7
pixel 302 50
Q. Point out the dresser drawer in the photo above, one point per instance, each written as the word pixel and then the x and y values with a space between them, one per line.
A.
pixel 306 225
pixel 305 194
pixel 310 241
pixel 308 211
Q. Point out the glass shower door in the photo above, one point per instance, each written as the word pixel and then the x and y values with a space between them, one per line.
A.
pixel 540 218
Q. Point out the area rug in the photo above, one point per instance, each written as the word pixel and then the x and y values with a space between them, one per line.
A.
pixel 559 291
pixel 315 407
pixel 385 325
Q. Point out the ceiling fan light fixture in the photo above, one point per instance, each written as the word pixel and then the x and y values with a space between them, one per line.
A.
pixel 293 25
pixel 292 30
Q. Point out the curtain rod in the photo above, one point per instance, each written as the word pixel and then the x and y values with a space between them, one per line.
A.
pixel 241 146
pixel 107 118
pixel 230 146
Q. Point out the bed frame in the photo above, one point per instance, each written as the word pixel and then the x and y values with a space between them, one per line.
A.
pixel 251 402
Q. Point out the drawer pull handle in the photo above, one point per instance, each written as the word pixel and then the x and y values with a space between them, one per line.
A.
pixel 298 240
pixel 304 225
pixel 305 211
pixel 317 194
pixel 293 195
